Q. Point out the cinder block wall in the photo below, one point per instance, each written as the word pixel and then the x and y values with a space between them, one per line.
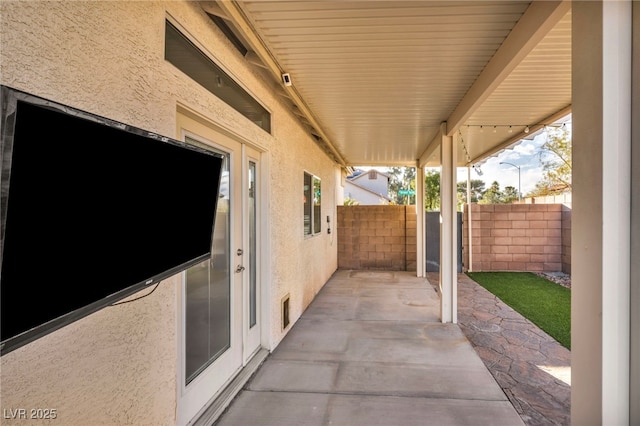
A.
pixel 411 238
pixel 377 237
pixel 566 239
pixel 518 237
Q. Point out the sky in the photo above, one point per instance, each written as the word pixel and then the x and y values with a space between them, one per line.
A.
pixel 525 155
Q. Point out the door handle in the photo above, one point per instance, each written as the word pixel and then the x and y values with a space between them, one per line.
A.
pixel 239 269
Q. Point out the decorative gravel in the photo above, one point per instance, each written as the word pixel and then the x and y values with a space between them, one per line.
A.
pixel 557 277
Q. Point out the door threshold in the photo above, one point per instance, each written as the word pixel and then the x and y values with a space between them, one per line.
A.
pixel 218 405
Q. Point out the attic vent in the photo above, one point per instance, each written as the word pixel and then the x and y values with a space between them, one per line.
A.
pixel 373 175
pixel 231 35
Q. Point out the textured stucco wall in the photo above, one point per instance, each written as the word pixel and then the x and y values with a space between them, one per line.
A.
pixel 114 367
pixel 119 365
pixel 300 265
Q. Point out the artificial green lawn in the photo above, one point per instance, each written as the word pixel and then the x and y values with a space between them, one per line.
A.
pixel 544 303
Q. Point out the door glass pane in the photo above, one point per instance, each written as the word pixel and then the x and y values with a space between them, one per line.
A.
pixel 208 297
pixel 252 244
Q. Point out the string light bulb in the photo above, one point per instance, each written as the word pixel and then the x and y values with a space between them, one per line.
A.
pixel 522 128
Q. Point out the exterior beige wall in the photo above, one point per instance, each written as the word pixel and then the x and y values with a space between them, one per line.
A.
pixel 119 365
pixel 114 367
pixel 300 265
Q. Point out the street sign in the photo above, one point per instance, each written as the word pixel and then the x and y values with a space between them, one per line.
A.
pixel 407 192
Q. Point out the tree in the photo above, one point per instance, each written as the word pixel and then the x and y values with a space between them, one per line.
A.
pixel 509 195
pixel 348 201
pixel 401 178
pixel 432 190
pixel 395 181
pixel 477 189
pixel 555 157
pixel 493 195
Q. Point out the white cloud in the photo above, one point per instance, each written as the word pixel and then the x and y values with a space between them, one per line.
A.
pixel 524 155
pixel 527 147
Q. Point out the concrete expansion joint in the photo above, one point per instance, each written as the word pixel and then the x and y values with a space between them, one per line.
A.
pixel 360 354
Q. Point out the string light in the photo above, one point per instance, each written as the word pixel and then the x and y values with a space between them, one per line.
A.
pixel 476 167
pixel 526 127
pixel 464 147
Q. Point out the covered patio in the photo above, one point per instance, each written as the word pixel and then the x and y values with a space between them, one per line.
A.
pixel 294 94
pixel 450 84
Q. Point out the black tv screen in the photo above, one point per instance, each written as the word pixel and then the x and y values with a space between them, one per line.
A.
pixel 92 211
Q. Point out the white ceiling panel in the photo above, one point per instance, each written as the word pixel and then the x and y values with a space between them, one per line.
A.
pixel 376 78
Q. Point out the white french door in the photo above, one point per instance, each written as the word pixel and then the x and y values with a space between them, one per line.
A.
pixel 219 304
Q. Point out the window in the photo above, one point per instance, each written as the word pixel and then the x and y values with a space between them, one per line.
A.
pixel 182 53
pixel 228 31
pixel 312 205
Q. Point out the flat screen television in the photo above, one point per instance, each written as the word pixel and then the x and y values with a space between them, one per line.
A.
pixel 92 210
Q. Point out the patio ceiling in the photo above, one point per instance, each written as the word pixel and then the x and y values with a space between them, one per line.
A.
pixel 374 80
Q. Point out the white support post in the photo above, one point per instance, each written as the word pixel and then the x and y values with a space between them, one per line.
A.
pixel 600 246
pixel 634 356
pixel 616 196
pixel 448 230
pixel 469 222
pixel 420 235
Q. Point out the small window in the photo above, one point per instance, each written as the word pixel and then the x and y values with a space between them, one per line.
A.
pixel 373 175
pixel 312 205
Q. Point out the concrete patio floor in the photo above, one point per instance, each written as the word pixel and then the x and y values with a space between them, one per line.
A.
pixel 370 350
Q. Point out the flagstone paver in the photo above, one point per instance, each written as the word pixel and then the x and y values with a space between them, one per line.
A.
pixel 531 367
